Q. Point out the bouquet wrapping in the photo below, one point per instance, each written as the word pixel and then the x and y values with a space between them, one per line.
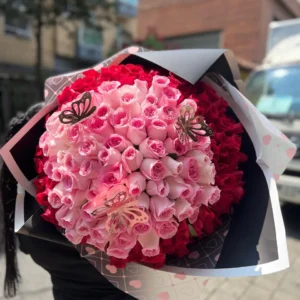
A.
pixel 157 169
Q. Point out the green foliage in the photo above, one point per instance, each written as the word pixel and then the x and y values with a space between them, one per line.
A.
pixel 151 42
pixel 51 12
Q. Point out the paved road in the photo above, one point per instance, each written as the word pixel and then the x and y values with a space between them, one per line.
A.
pixel 284 285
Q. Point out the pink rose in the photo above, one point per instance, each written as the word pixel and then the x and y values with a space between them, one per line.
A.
pixel 72 161
pixel 136 131
pixel 172 132
pixel 74 237
pixel 101 128
pixel 191 168
pixel 57 173
pixel 95 243
pixel 143 201
pixel 157 130
pixel 175 146
pixel 203 144
pixel 61 132
pixel 207 195
pixel 150 99
pixel 74 182
pixel 98 232
pixel 73 199
pixel 151 148
pixel 97 98
pixel 193 218
pixel 67 218
pixel 82 227
pixel 169 113
pixel 149 113
pixel 118 142
pixel 189 102
pixel 116 189
pixel 52 146
pixel 90 168
pixel 55 196
pixel 51 126
pixel 195 187
pixel 112 175
pixel 125 240
pixel 158 188
pixel 119 120
pixel 207 169
pixel 158 84
pixel 183 209
pixel 74 134
pixel 162 208
pixel 166 230
pixel 114 250
pixel 129 100
pixel 94 208
pixel 170 96
pixel 131 159
pixel 141 228
pixel 49 165
pixel 109 156
pixel 109 90
pixel 136 183
pixel 178 188
pixel 142 89
pixel 103 111
pixel 88 147
pixel 61 156
pixel 201 157
pixel 153 169
pixel 149 243
pixel 173 167
pixel 208 174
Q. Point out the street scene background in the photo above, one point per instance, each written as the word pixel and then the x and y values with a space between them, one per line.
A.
pixel 40 38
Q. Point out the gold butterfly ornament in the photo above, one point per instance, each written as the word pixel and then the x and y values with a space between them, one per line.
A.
pixel 122 212
pixel 190 126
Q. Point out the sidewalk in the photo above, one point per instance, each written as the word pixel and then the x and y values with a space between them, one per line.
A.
pixel 285 285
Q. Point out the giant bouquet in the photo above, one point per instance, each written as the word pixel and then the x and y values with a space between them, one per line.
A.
pixel 138 164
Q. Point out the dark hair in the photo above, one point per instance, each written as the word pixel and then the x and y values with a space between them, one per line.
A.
pixel 8 192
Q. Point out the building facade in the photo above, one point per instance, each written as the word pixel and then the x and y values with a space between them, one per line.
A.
pixel 62 52
pixel 238 25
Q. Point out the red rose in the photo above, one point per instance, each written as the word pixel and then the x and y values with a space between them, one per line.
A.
pixel 40 183
pixel 67 95
pixel 39 165
pixel 167 246
pixel 206 222
pixel 50 184
pixel 118 262
pixel 155 262
pixel 42 198
pixel 39 152
pixel 181 239
pixel 49 215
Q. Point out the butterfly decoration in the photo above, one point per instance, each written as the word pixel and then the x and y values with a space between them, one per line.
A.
pixel 190 126
pixel 122 212
pixel 80 110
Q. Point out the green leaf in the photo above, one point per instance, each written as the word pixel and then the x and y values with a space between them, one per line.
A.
pixel 192 231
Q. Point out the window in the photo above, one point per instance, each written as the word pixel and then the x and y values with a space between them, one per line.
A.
pixel 201 40
pixel 18 26
pixel 90 41
pixel 127 8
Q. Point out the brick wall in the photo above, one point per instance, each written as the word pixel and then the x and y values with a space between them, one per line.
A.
pixel 244 24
